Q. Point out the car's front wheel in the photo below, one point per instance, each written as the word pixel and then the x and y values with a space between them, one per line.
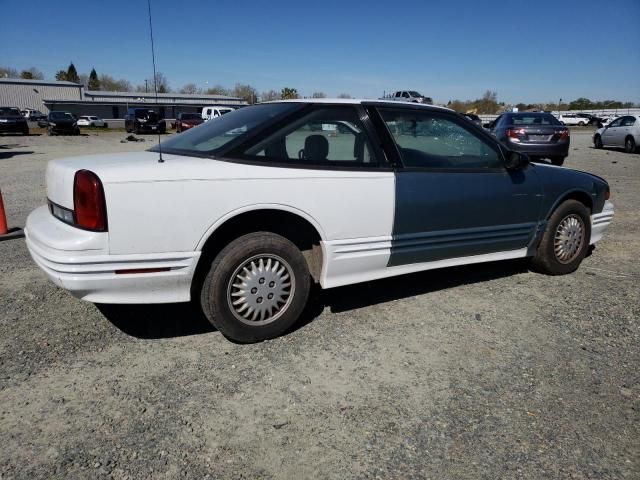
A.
pixel 565 240
pixel 256 288
pixel 557 160
pixel 581 124
pixel 630 145
pixel 597 141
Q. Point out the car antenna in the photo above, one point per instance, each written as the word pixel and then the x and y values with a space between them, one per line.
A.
pixel 155 78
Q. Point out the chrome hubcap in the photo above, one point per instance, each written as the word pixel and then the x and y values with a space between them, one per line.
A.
pixel 569 238
pixel 261 289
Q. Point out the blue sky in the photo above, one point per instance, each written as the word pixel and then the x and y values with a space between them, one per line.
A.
pixel 526 51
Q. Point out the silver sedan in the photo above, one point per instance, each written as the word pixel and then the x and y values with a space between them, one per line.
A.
pixel 622 132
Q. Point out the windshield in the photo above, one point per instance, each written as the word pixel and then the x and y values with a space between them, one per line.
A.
pixel 61 116
pixel 148 114
pixel 191 116
pixel 210 137
pixel 533 119
pixel 9 112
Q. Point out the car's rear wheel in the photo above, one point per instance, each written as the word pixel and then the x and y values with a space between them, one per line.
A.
pixel 557 160
pixel 256 288
pixel 630 145
pixel 565 240
pixel 581 124
pixel 597 141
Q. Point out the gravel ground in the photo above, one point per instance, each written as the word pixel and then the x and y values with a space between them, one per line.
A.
pixel 480 372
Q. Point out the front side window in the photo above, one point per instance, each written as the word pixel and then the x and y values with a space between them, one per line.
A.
pixel 428 139
pixel 405 94
pixel 616 123
pixel 325 136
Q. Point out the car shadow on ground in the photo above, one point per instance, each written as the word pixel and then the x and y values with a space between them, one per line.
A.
pixel 184 319
pixel 9 154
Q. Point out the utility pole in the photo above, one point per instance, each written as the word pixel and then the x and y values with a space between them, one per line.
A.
pixel 145 86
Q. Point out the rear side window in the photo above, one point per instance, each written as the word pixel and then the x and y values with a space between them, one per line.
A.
pixel 628 121
pixel 432 140
pixel 325 136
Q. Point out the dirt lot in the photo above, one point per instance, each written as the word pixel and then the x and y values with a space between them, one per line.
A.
pixel 485 372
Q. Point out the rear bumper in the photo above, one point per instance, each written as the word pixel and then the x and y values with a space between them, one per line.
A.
pixel 600 222
pixel 541 149
pixel 78 261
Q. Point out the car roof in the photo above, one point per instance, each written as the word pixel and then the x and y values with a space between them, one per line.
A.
pixel 360 101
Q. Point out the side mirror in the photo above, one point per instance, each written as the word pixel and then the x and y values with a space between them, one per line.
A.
pixel 516 161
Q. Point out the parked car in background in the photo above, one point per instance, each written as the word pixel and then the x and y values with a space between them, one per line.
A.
pixel 573 119
pixel 91 121
pixel 33 115
pixel 623 132
pixel 606 120
pixel 409 96
pixel 143 120
pixel 539 135
pixel 590 119
pixel 244 223
pixel 185 121
pixel 215 111
pixel 60 123
pixel 12 121
pixel 473 117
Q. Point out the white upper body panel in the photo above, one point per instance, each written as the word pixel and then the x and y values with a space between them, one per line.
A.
pixel 175 205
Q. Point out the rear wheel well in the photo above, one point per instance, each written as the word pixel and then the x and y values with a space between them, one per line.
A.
pixel 291 226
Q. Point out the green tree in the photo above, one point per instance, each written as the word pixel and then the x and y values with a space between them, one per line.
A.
pixel 94 82
pixel 581 104
pixel 61 75
pixel 344 95
pixel 318 95
pixel 72 74
pixel 32 73
pixel 289 93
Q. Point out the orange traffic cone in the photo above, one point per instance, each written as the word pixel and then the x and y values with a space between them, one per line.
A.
pixel 5 233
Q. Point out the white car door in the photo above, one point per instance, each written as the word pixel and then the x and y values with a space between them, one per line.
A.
pixel 612 132
pixel 626 128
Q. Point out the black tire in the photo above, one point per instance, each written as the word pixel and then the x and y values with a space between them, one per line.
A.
pixel 630 145
pixel 25 132
pixel 597 142
pixel 557 160
pixel 136 130
pixel 581 124
pixel 550 256
pixel 218 287
pixel 50 132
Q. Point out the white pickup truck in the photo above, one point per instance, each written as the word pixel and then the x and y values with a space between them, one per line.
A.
pixel 409 96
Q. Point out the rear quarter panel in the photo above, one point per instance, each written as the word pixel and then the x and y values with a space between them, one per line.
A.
pixel 178 215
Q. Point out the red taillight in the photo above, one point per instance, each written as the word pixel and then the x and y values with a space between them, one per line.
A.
pixel 607 193
pixel 564 134
pixel 88 202
pixel 514 134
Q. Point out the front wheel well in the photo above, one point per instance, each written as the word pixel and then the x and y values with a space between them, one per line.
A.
pixel 581 197
pixel 291 226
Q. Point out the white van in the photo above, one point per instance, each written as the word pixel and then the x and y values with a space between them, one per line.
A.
pixel 215 111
